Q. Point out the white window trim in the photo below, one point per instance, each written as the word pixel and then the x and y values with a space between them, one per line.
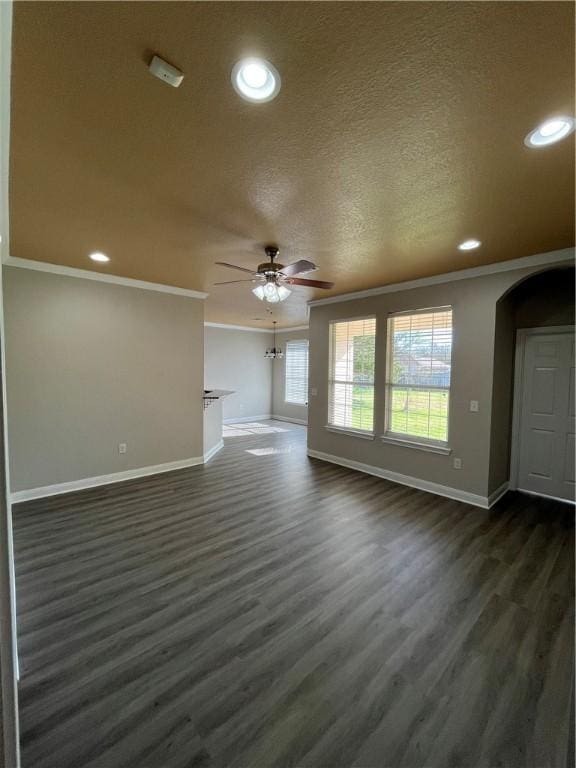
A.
pixel 364 434
pixel 407 440
pixel 367 434
pixel 424 311
pixel 296 341
pixel 394 438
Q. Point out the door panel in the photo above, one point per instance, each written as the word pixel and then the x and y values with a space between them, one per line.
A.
pixel 539 453
pixel 543 390
pixel 546 451
pixel 569 470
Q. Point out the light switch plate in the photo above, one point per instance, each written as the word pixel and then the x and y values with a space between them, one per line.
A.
pixel 313 392
pixel 474 406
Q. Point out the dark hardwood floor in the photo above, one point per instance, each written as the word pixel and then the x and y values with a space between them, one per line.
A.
pixel 272 610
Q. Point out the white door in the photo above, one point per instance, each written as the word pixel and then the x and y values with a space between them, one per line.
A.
pixel 547 418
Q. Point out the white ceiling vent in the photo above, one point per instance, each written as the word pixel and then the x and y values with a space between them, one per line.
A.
pixel 164 71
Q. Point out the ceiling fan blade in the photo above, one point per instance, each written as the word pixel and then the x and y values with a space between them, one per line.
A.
pixel 233 266
pixel 229 282
pixel 309 283
pixel 299 268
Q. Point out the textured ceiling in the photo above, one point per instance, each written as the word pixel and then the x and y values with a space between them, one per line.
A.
pixel 398 133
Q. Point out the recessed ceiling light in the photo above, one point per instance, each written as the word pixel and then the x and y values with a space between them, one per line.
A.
pixel 550 132
pixel 469 245
pixel 256 80
pixel 99 257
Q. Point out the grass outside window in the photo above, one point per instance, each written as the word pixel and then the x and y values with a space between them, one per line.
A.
pixel 413 412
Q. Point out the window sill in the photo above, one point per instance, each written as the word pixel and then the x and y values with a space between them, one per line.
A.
pixel 419 446
pixel 300 405
pixel 351 432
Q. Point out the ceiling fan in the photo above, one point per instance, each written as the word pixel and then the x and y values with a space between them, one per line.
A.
pixel 274 277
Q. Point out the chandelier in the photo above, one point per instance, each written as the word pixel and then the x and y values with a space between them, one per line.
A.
pixel 274 353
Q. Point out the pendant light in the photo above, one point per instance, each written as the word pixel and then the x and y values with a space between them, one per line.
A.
pixel 275 353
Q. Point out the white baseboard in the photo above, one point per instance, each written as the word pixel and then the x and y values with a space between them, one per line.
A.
pixel 546 496
pixel 240 419
pixel 414 482
pixel 291 420
pixel 498 493
pixel 93 482
pixel 213 451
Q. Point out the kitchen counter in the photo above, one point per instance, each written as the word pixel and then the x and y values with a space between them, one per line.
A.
pixel 213 395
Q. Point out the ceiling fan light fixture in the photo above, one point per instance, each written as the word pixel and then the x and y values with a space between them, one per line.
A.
pixel 283 292
pixel 271 293
pixel 256 80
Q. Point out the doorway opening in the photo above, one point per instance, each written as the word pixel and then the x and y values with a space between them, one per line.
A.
pixel 533 415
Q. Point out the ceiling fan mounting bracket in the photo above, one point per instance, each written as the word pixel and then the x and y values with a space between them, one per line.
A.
pixel 271 251
pixel 269 268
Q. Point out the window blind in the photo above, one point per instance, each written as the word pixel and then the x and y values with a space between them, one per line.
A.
pixel 296 384
pixel 419 371
pixel 351 374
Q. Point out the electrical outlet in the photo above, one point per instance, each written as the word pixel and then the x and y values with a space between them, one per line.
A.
pixel 313 392
pixel 122 447
pixel 457 463
pixel 474 407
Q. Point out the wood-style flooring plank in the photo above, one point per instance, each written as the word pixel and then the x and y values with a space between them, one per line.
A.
pixel 272 610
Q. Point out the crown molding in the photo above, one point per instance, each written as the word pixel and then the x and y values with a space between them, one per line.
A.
pixel 86 274
pixel 536 260
pixel 228 327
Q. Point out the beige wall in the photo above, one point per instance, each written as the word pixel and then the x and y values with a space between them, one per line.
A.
pixel 235 360
pixel 281 408
pixel 474 317
pixel 91 365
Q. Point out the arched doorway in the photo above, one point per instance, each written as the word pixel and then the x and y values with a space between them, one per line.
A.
pixel 534 383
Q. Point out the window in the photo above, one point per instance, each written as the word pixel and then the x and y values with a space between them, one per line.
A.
pixel 419 362
pixel 351 376
pixel 296 384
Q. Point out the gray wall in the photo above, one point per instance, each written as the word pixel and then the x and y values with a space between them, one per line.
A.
pixel 544 299
pixel 500 437
pixel 235 360
pixel 474 307
pixel 90 365
pixel 279 406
